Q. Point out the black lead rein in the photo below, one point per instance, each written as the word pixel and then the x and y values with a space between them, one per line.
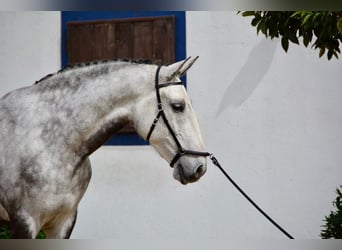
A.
pixel 181 151
pixel 216 163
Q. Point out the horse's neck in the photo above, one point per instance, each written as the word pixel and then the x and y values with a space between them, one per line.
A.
pixel 103 102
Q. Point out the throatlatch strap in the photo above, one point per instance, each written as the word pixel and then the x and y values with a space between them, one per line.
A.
pixel 155 121
pixel 160 108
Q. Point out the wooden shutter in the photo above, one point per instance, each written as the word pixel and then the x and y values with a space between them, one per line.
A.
pixel 151 38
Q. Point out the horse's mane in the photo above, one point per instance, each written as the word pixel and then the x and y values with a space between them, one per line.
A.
pixel 99 62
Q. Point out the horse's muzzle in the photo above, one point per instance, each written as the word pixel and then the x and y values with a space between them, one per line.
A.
pixel 186 177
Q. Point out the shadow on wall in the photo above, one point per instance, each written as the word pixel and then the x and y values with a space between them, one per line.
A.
pixel 257 65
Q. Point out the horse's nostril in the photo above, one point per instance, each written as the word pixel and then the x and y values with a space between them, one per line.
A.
pixel 200 170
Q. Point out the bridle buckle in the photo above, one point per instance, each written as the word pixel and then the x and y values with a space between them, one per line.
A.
pixel 155 121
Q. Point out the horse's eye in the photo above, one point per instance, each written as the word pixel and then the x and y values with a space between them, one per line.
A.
pixel 178 107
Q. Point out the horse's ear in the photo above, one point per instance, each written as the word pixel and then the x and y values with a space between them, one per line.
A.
pixel 178 69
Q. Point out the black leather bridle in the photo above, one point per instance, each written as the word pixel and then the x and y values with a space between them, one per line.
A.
pixel 180 150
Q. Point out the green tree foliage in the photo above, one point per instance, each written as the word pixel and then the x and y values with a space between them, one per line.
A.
pixel 321 29
pixel 333 222
pixel 5 231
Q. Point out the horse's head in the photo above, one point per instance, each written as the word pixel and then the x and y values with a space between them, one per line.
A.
pixel 169 123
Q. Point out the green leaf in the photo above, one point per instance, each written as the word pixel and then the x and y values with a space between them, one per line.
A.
pixel 338 192
pixel 306 20
pixel 248 13
pixel 255 21
pixel 262 27
pixel 285 43
pixel 41 235
pixel 317 16
pixel 321 52
pixel 272 30
pixel 296 14
pixel 339 25
pixel 306 39
pixel 293 38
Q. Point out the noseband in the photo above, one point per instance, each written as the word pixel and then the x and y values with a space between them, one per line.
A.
pixel 180 150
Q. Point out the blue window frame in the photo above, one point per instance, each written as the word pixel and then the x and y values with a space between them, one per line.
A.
pixel 180 49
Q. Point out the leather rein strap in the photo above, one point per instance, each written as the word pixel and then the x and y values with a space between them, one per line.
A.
pixel 180 150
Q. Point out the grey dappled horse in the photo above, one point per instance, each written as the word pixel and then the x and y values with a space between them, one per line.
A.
pixel 49 129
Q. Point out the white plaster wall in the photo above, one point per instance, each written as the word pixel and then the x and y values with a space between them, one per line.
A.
pixel 29 47
pixel 271 118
